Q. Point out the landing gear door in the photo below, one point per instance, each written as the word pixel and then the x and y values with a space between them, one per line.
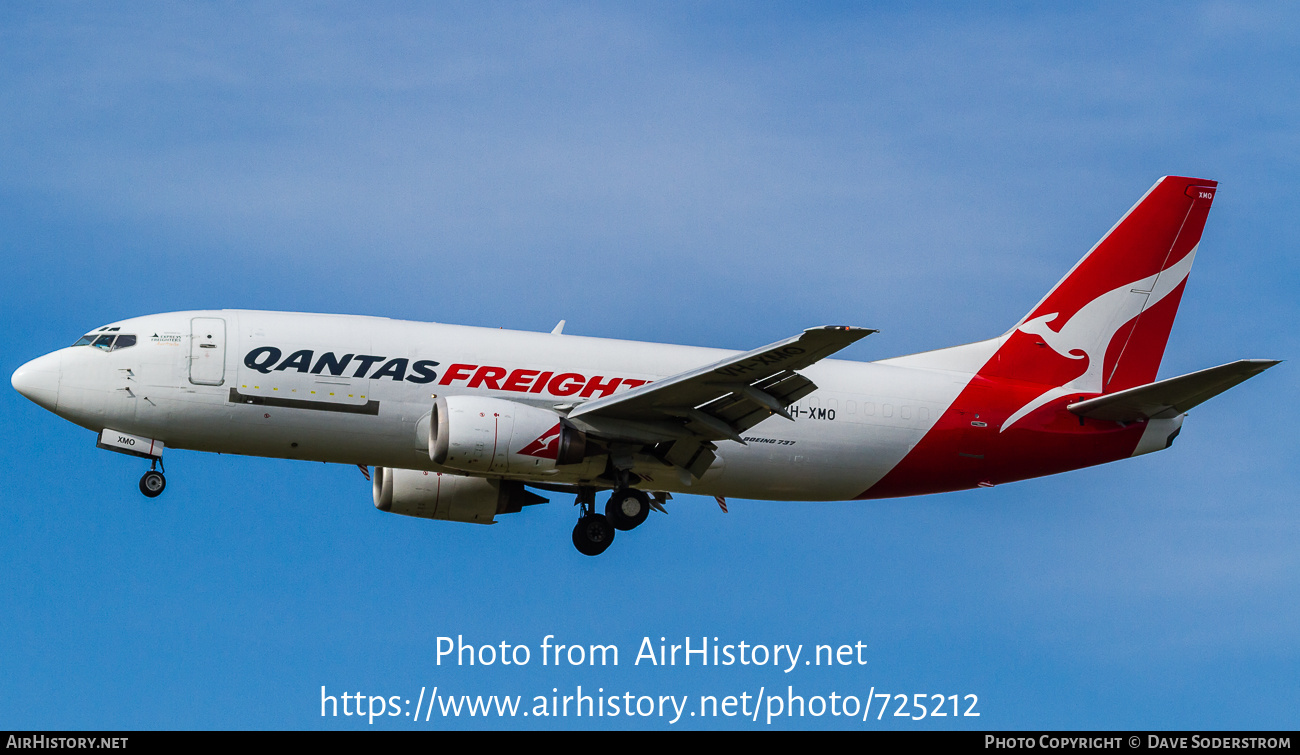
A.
pixel 207 351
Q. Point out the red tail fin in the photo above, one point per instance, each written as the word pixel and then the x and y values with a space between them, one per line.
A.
pixel 1103 328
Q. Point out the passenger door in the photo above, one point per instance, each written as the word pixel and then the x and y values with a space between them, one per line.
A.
pixel 207 351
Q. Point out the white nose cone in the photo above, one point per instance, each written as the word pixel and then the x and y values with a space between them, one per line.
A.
pixel 38 380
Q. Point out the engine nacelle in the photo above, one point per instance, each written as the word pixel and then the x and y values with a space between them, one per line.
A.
pixel 437 495
pixel 495 436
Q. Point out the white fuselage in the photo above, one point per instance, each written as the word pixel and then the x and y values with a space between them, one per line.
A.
pixel 208 381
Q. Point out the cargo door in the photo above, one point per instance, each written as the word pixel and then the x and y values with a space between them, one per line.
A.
pixel 207 351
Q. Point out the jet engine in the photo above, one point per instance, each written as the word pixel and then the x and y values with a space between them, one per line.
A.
pixel 490 435
pixel 437 495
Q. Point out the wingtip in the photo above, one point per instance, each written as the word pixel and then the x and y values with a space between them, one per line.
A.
pixel 1263 364
pixel 847 328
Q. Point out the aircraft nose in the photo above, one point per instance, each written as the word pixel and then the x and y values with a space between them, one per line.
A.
pixel 38 380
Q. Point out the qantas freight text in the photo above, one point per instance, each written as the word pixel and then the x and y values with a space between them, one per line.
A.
pixel 500 415
pixel 534 381
pixel 267 360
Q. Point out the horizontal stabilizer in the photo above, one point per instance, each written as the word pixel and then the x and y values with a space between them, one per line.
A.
pixel 1169 398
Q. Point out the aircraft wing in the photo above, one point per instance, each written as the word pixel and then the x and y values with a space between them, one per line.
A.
pixel 719 401
pixel 1169 398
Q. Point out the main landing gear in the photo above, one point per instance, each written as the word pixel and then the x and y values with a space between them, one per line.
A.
pixel 626 509
pixel 153 483
pixel 592 534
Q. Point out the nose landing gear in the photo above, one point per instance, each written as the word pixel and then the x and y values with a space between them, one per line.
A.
pixel 153 482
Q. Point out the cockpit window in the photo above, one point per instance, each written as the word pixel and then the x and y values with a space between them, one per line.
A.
pixel 108 341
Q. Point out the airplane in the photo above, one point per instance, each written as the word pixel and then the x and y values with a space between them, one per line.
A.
pixel 465 423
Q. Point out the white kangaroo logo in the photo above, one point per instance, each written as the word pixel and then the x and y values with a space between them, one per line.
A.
pixel 1089 332
pixel 545 446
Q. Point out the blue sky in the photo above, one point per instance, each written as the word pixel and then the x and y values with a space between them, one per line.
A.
pixel 717 175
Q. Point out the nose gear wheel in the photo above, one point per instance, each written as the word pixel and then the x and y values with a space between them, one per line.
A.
pixel 153 483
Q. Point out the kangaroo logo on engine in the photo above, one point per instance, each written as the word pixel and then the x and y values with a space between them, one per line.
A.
pixel 546 446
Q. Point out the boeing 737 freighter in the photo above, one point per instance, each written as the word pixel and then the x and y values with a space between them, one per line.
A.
pixel 459 422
